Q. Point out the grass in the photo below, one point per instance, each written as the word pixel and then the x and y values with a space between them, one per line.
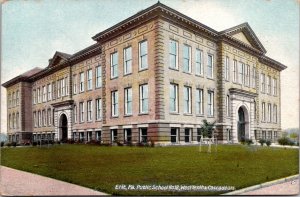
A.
pixel 102 168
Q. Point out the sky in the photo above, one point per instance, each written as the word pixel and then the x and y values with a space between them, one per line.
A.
pixel 32 30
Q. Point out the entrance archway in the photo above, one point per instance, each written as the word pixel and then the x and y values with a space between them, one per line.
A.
pixel 63 127
pixel 241 127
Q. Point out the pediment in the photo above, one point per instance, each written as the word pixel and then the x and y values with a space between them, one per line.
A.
pixel 243 33
pixel 58 58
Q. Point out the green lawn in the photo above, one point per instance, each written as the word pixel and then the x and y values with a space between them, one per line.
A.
pixel 101 168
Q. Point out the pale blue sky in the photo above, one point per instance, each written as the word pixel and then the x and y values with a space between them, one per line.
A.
pixel 33 30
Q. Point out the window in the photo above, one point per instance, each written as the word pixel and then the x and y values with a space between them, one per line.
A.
pixel 173 54
pixel 187 135
pixel 114 104
pixel 234 71
pixel 127 135
pixel 262 87
pixel 89 111
pixel 17 120
pixel 241 73
pixel 269 112
pixel 49 116
pixel 254 103
pixel 114 135
pixel 67 85
pixel 143 135
pixel 75 84
pixel 53 90
pixel 264 136
pixel 269 134
pixel 17 97
pixel 275 113
pixel 263 111
pixel 14 121
pixel 247 78
pixel 173 97
pixel 39 95
pixel 44 93
pixel 227 68
pixel 98 109
pixel 98 135
pixel 34 119
pixel 9 121
pixel 49 87
pixel 227 106
pixel 269 85
pixel 275 134
pixel 98 76
pixel 89 75
pixel 33 95
pixel 58 88
pixel 9 99
pixel 253 77
pixel 199 67
pixel 275 87
pixel 199 101
pixel 187 94
pixel 144 98
pixel 39 119
pixel 75 113
pixel 210 66
pixel 199 134
pixel 210 103
pixel 81 112
pixel 114 65
pixel 63 87
pixel 44 118
pixel 127 60
pixel 187 59
pixel 143 55
pixel 174 135
pixel 81 85
pixel 13 99
pixel 128 101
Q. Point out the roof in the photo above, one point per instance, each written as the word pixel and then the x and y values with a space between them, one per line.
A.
pixel 22 77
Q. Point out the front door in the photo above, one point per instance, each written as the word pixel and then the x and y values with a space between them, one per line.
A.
pixel 64 127
pixel 241 124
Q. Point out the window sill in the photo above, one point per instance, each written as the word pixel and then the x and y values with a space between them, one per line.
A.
pixel 98 87
pixel 175 69
pixel 174 113
pixel 144 113
pixel 199 75
pixel 143 69
pixel 114 116
pixel 127 115
pixel 199 115
pixel 187 114
pixel 112 78
pixel 99 120
pixel 189 73
pixel 210 78
pixel 210 116
pixel 89 90
pixel 127 74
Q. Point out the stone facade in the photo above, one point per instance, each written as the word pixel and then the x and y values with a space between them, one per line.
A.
pixel 153 77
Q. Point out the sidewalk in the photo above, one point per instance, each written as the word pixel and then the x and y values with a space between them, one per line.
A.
pixel 19 183
pixel 284 186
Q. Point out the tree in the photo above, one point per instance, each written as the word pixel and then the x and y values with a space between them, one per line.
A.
pixel 207 128
pixel 294 136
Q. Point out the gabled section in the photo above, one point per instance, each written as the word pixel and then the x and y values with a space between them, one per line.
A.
pixel 58 58
pixel 243 33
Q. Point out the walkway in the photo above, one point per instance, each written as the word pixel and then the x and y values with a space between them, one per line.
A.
pixel 19 183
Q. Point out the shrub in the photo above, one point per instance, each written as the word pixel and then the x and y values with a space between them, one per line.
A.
pixel 268 142
pixel 262 141
pixel 2 144
pixel 119 143
pixel 152 143
pixel 8 144
pixel 14 144
pixel 34 143
pixel 248 141
pixel 243 140
pixel 283 141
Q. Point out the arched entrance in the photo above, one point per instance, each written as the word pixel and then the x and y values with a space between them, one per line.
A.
pixel 63 127
pixel 241 124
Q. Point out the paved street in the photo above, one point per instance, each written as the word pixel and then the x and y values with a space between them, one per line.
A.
pixel 18 183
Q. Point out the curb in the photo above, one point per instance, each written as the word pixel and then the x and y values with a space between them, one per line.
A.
pixel 262 185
